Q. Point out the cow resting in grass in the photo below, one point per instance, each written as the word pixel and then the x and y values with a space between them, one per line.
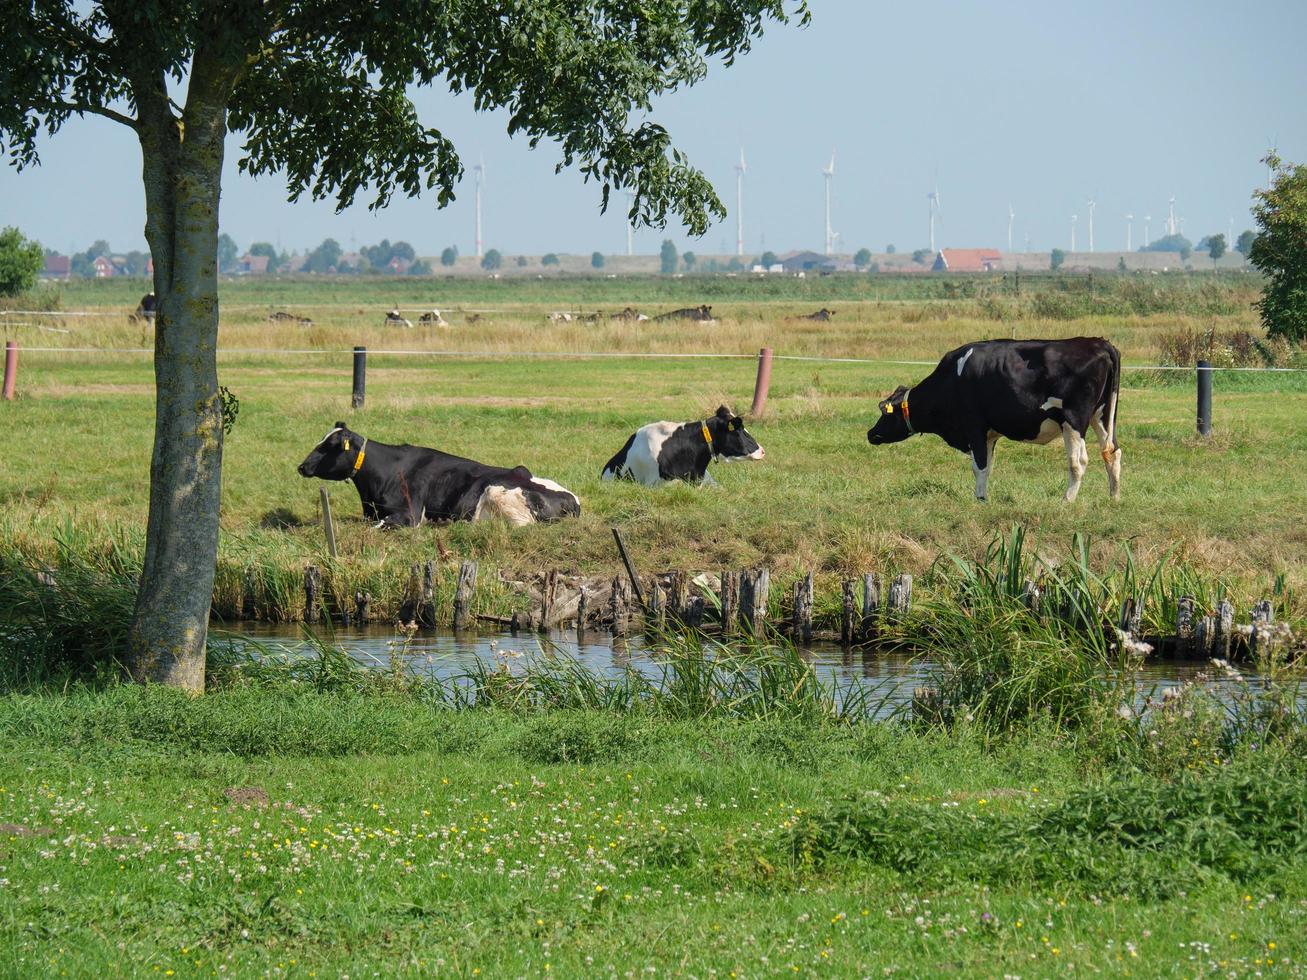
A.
pixel 1024 390
pixel 663 451
pixel 402 486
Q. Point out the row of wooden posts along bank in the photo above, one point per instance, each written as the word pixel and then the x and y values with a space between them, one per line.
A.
pixel 868 608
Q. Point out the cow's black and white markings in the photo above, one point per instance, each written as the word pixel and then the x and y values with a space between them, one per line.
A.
pixel 700 314
pixel 405 485
pixel 1025 390
pixel 663 451
pixel 397 319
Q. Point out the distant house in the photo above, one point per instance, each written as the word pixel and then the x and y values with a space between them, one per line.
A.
pixel 57 267
pixel 252 265
pixel 104 267
pixel 807 262
pixel 968 260
pixel 296 263
pixel 397 265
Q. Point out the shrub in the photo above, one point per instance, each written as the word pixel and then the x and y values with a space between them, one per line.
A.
pixel 20 261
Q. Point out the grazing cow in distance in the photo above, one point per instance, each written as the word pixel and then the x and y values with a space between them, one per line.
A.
pixel 1024 390
pixel 402 486
pixel 630 313
pixel 396 319
pixel 664 451
pixel 280 317
pixel 821 315
pixel 145 309
pixel 433 319
pixel 700 314
pixel 559 317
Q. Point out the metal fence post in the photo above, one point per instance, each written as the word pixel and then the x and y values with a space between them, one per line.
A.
pixel 1204 372
pixel 360 376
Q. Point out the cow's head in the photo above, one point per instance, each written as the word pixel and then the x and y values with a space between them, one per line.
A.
pixel 336 457
pixel 893 424
pixel 730 441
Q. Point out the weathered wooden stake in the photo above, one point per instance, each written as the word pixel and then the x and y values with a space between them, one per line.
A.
pixel 582 610
pixel 730 599
pixel 408 607
pixel 678 596
pixel 312 593
pixel 1205 635
pixel 762 383
pixel 464 593
pixel 362 607
pixel 1131 616
pixel 630 568
pixel 656 612
pixel 900 595
pixel 427 607
pixel 11 369
pixel 693 615
pixel 360 377
pixel 1263 614
pixel 328 524
pixel 548 597
pixel 1204 372
pixel 801 627
pixel 848 612
pixel 870 606
pixel 620 605
pixel 1030 595
pixel 754 586
pixel 1224 627
pixel 1184 624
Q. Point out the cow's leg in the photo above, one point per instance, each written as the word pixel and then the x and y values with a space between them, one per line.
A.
pixel 982 464
pixel 1111 457
pixel 1077 457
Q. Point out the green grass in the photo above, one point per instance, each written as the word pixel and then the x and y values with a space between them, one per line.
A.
pixel 303 833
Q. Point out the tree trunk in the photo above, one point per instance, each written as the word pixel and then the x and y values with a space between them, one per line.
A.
pixel 182 165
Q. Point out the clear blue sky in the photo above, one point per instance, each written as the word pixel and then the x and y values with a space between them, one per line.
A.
pixel 1036 104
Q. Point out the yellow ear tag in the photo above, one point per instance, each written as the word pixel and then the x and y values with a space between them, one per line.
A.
pixel 730 426
pixel 346 445
pixel 889 409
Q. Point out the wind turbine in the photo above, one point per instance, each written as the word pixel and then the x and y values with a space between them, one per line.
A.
pixel 739 205
pixel 1129 218
pixel 1091 204
pixel 1074 219
pixel 481 180
pixel 1170 217
pixel 828 173
pixel 1010 216
pixel 1147 218
pixel 933 199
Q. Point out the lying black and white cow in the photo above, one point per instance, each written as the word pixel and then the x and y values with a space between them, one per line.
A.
pixel 405 485
pixel 1025 390
pixel 663 451
pixel 701 314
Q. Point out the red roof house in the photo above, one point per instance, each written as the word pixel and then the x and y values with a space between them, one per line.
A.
pixel 968 260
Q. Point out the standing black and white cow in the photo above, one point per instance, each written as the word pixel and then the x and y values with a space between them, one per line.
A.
pixel 405 485
pixel 664 451
pixel 1025 390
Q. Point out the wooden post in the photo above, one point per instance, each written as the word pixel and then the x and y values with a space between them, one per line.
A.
pixel 548 596
pixel 730 598
pixel 620 605
pixel 848 612
pixel 11 370
pixel 1204 398
pixel 801 627
pixel 582 610
pixel 1263 614
pixel 754 586
pixel 1131 616
pixel 900 595
pixel 362 607
pixel 327 524
pixel 1184 624
pixel 656 613
pixel 408 606
pixel 1224 627
pixel 360 377
pixel 312 593
pixel 762 383
pixel 1205 635
pixel 630 569
pixel 518 622
pixel 693 615
pixel 426 617
pixel 870 606
pixel 1030 595
pixel 464 592
pixel 678 596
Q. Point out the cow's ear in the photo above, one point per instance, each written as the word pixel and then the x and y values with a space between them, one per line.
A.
pixel 341 425
pixel 723 413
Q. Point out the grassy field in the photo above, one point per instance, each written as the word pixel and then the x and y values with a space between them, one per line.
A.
pixel 293 833
pixel 822 499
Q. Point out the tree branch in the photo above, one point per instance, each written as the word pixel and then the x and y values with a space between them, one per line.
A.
pixel 81 108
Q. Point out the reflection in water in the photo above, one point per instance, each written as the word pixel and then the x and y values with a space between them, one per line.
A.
pixel 439 655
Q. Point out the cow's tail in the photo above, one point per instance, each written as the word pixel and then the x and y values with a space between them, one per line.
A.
pixel 1113 397
pixel 613 468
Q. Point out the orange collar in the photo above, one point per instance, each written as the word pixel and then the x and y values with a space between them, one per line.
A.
pixel 907 417
pixel 707 436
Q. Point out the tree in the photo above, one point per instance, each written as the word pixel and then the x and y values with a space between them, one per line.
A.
pixel 20 261
pixel 275 261
pixel 597 260
pixel 1280 250
pixel 667 257
pixel 1171 243
pixel 492 260
pixel 1056 258
pixel 1244 243
pixel 768 260
pixel 890 249
pixel 324 258
pixel 449 255
pixel 689 259
pixel 1215 247
pixel 80 264
pixel 862 258
pixel 227 252
pixel 319 92
pixel 549 258
pixel 920 255
pixel 138 263
pixel 420 267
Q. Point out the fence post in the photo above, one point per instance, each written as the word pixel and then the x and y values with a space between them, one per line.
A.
pixel 1204 398
pixel 762 384
pixel 327 523
pixel 360 376
pixel 11 368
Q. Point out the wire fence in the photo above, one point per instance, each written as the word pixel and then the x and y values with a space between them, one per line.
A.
pixel 605 355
